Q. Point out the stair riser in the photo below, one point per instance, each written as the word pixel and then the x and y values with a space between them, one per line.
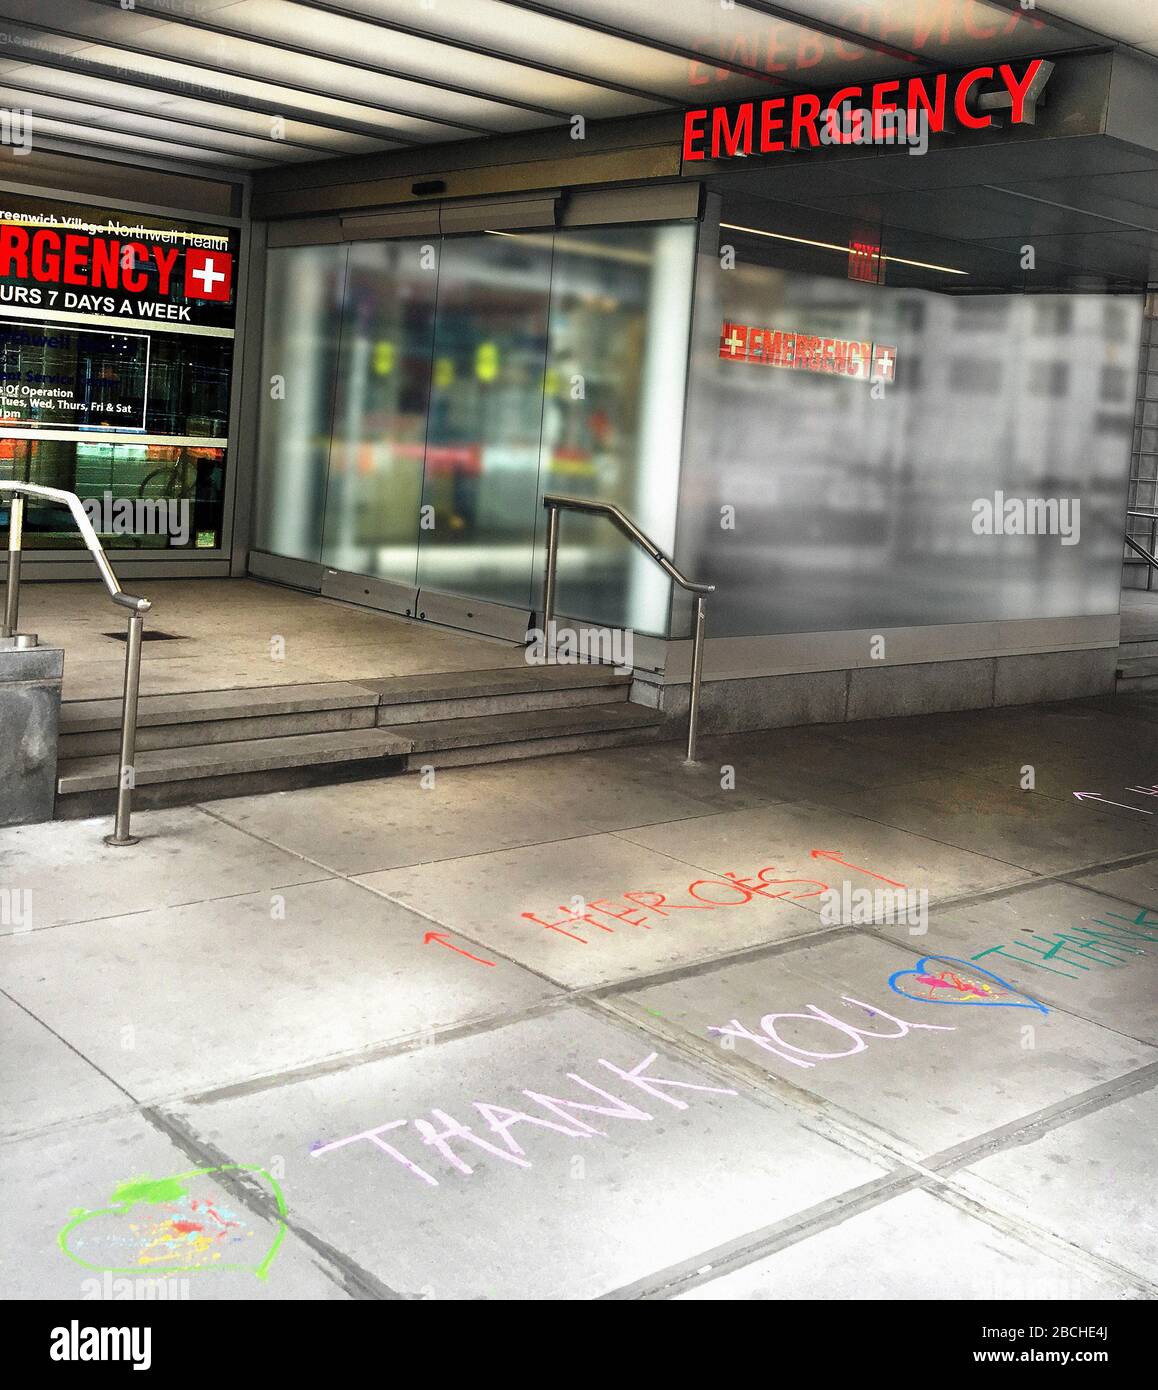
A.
pixel 160 795
pixel 421 713
pixel 1130 685
pixel 217 731
pixel 189 735
pixel 1146 648
pixel 532 748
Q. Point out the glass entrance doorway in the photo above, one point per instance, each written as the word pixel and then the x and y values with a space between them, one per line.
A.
pixel 425 394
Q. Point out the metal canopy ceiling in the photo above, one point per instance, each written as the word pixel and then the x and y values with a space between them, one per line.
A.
pixel 235 85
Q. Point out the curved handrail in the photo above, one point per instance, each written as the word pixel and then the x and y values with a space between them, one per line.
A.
pixel 629 528
pixel 138 607
pixel 555 503
pixel 1149 556
pixel 88 534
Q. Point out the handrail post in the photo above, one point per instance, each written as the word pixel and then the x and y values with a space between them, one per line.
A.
pixel 556 504
pixel 1153 551
pixel 126 772
pixel 15 545
pixel 550 580
pixel 697 676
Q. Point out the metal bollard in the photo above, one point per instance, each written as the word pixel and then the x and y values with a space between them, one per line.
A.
pixel 126 773
pixel 697 674
pixel 15 544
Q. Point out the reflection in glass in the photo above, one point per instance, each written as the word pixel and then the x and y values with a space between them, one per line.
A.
pixel 469 377
pixel 486 405
pixel 304 287
pixel 380 410
pixel 613 411
pixel 858 506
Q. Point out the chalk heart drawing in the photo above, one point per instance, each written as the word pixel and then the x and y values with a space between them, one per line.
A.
pixel 184 1224
pixel 949 980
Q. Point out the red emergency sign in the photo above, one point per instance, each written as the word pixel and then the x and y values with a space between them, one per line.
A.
pixel 807 352
pixel 945 102
pixel 54 256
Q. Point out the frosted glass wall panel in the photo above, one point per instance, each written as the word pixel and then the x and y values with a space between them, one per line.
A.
pixel 856 508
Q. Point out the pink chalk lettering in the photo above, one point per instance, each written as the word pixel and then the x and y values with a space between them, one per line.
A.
pixel 815 1015
pixel 736 1029
pixel 502 1127
pixel 883 1013
pixel 650 1084
pixel 623 1110
pixel 372 1136
pixel 454 1130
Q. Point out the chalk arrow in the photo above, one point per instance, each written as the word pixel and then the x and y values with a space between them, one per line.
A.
pixel 834 855
pixel 1093 796
pixel 442 941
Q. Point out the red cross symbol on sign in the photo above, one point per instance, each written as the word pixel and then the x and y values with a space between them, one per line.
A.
pixel 733 340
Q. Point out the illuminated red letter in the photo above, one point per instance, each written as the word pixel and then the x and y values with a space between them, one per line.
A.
pixel 1018 91
pixel 14 251
pixel 694 133
pixel 768 124
pixel 964 115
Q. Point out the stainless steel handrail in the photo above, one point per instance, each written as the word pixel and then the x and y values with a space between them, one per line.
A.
pixel 1151 555
pixel 554 504
pixel 138 608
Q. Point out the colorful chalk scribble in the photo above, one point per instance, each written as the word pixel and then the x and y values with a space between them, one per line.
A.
pixel 947 980
pixel 968 990
pixel 185 1224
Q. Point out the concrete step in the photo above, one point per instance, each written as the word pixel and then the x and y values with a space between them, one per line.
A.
pixel 249 755
pixel 90 728
pixel 181 775
pixel 1147 646
pixel 1137 673
pixel 485 738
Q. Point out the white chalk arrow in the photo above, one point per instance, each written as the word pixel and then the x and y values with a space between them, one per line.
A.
pixel 1093 796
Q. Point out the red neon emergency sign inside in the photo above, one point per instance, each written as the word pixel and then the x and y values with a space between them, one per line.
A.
pixel 947 103
pixel 807 352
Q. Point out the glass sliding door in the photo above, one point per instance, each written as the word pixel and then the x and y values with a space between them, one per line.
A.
pixel 380 410
pixel 613 413
pixel 431 392
pixel 305 286
pixel 480 484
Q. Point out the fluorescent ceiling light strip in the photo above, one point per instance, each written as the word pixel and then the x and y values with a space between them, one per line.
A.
pixel 844 250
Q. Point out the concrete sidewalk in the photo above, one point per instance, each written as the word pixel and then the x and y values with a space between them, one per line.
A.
pixel 862 1010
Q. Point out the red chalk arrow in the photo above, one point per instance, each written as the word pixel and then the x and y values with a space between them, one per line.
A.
pixel 442 941
pixel 1093 796
pixel 834 855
